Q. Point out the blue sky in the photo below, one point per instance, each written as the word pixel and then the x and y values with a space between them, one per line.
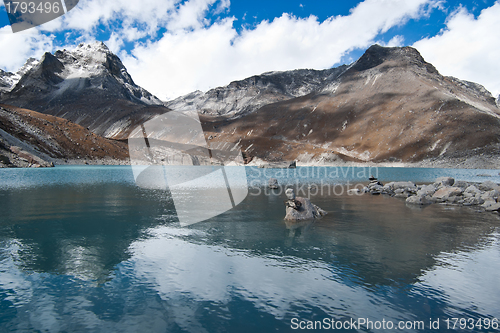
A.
pixel 173 47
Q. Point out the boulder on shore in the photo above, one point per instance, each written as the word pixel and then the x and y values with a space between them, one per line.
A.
pixel 447 191
pixel 488 186
pixel 486 194
pixel 444 181
pixel 493 207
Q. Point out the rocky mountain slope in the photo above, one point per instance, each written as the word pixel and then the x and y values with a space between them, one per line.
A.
pixel 88 85
pixel 7 80
pixel 390 105
pixel 32 139
pixel 245 96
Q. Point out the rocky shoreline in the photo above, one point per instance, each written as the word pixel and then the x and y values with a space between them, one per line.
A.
pixel 465 160
pixel 30 161
pixel 87 161
pixel 491 162
pixel 445 190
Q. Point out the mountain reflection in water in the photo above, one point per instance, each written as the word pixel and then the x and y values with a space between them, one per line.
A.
pixel 108 256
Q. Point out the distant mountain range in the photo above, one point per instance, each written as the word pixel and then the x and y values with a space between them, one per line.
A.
pixel 246 96
pixel 388 106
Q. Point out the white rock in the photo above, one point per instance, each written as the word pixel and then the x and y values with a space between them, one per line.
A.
pixel 446 192
pixel 494 207
pixel 426 190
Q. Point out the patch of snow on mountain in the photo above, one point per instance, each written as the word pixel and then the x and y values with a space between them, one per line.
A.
pixel 364 156
pixel 117 128
pixel 89 61
pixel 480 106
pixel 30 63
pixel 7 80
pixel 75 80
pixel 331 87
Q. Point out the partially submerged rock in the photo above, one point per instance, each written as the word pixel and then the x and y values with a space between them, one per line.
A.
pixel 273 183
pixel 298 208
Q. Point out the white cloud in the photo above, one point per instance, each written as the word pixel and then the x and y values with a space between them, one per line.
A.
pixel 20 46
pixel 128 21
pixel 211 55
pixel 114 43
pixel 89 13
pixel 468 48
pixel 222 7
pixel 397 40
pixel 196 53
pixel 136 19
pixel 190 15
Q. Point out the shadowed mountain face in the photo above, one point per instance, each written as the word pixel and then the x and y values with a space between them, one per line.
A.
pixel 89 86
pixel 390 105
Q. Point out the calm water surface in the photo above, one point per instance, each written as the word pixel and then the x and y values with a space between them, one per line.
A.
pixel 82 249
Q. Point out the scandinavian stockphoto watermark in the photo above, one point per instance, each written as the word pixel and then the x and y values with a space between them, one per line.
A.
pixel 26 14
pixel 312 181
pixel 169 152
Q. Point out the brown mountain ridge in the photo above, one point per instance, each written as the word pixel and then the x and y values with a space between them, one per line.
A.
pixel 388 106
pixel 29 138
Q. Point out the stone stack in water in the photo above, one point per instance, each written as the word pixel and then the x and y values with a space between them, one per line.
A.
pixel 273 183
pixel 374 187
pixel 298 208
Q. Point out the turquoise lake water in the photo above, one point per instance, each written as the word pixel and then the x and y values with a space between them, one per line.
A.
pixel 83 249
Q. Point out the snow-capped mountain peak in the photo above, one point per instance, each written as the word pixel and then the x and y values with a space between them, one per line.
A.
pixel 8 80
pixel 88 85
pixel 67 72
